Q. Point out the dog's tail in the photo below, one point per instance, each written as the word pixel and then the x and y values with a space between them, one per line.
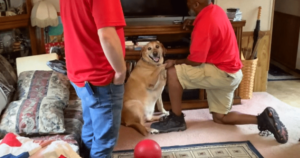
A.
pixel 140 128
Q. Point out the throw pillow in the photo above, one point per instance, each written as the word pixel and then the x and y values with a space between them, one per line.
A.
pixel 34 116
pixel 38 84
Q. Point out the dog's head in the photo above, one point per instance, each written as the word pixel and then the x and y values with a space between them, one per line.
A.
pixel 154 52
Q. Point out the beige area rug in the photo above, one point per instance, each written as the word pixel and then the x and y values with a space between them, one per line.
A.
pixel 201 129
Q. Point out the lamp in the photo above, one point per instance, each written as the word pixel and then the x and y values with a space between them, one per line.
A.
pixel 43 14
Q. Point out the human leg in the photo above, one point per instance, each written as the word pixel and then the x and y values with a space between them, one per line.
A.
pixel 87 128
pixel 220 102
pixel 175 91
pixel 106 118
pixel 102 118
pixel 268 121
pixel 174 121
pixel 179 78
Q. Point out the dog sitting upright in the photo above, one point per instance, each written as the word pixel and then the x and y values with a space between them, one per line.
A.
pixel 144 88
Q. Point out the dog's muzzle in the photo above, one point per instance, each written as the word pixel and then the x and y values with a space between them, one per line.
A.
pixel 155 58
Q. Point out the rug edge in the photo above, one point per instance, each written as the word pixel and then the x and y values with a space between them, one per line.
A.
pixel 251 146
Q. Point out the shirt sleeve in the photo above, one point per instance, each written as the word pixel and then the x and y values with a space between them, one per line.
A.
pixel 107 13
pixel 201 43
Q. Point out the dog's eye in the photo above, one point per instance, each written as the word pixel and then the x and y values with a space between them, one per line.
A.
pixel 157 46
pixel 149 48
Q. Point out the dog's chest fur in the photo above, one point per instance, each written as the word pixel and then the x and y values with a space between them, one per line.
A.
pixel 143 72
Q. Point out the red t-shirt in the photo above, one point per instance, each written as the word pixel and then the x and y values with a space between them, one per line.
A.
pixel 85 58
pixel 214 40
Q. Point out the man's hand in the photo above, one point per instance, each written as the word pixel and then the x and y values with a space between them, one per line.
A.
pixel 119 78
pixel 188 23
pixel 170 63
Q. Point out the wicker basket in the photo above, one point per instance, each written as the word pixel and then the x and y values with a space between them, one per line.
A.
pixel 247 83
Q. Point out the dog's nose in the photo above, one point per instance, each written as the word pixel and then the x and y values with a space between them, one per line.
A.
pixel 155 54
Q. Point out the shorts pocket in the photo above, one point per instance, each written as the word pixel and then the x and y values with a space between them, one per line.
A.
pixel 194 73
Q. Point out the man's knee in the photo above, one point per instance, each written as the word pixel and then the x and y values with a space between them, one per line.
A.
pixel 172 76
pixel 218 118
pixel 172 72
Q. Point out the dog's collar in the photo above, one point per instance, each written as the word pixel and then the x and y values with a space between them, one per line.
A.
pixel 149 62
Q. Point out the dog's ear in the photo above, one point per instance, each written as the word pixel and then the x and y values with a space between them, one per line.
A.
pixel 143 50
pixel 163 48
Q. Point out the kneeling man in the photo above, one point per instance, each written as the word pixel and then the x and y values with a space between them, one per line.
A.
pixel 213 64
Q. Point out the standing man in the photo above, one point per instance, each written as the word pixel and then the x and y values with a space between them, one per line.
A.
pixel 213 64
pixel 95 50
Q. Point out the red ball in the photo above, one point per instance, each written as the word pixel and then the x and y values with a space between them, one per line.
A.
pixel 147 149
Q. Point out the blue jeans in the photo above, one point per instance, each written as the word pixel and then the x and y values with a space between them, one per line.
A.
pixel 102 118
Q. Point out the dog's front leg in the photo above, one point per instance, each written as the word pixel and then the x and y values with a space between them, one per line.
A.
pixel 160 106
pixel 154 77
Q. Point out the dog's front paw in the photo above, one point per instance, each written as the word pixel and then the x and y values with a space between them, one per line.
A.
pixel 154 131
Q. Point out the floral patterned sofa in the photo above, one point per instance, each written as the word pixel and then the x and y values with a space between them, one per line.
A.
pixel 39 104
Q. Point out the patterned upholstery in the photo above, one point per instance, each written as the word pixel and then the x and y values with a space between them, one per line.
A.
pixel 73 118
pixel 34 116
pixel 38 84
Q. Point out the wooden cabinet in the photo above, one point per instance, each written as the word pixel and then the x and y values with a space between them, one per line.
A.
pixel 168 28
pixel 21 21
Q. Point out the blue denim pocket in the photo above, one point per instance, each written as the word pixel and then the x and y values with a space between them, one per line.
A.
pixel 91 101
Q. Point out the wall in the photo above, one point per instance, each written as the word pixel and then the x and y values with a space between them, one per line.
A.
pixel 291 7
pixel 249 8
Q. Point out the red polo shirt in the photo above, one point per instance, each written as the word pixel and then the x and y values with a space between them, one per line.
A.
pixel 85 58
pixel 214 40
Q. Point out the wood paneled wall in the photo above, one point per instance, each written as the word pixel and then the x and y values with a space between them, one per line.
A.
pixel 263 55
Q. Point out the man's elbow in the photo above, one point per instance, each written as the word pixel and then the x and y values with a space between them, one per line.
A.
pixel 106 34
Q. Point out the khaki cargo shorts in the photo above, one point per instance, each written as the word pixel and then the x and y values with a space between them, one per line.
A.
pixel 219 85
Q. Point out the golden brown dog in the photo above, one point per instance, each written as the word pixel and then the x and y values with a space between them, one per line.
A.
pixel 143 89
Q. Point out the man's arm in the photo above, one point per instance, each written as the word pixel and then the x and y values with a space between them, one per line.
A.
pixel 112 48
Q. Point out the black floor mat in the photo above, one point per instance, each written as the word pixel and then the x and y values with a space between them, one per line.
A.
pixel 277 74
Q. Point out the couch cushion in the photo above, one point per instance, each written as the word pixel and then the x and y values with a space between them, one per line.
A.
pixel 34 116
pixel 38 84
pixel 73 118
